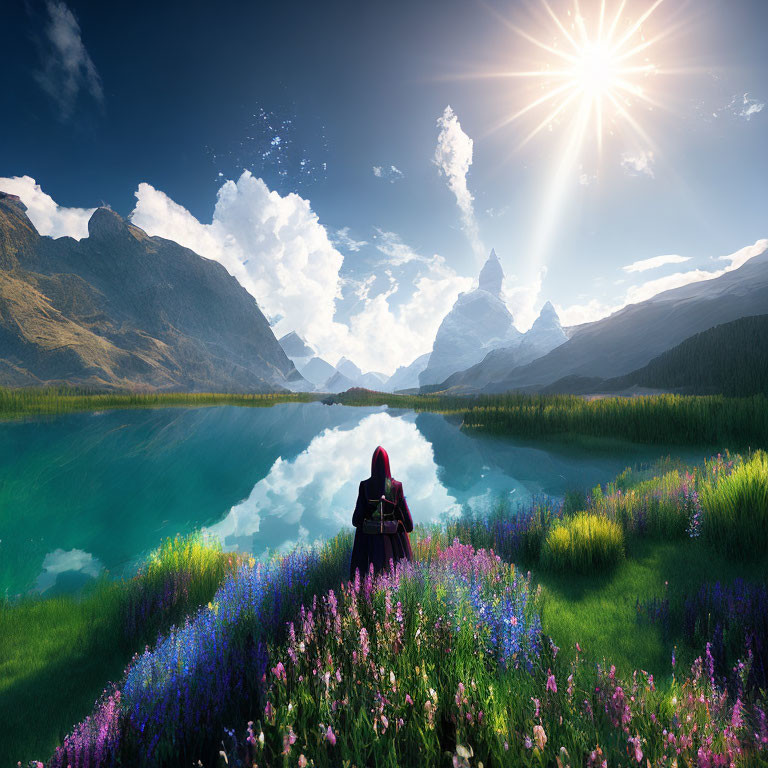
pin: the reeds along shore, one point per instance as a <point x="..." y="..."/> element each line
<point x="19" y="402"/>
<point x="671" y="419"/>
<point x="447" y="660"/>
<point x="662" y="419"/>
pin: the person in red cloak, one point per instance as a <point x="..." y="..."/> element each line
<point x="381" y="518"/>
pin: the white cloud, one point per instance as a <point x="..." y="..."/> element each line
<point x="275" y="246"/>
<point x="63" y="561"/>
<point x="48" y="217"/>
<point x="343" y="239"/>
<point x="391" y="173"/>
<point x="638" y="162"/>
<point x="453" y="156"/>
<point x="522" y="298"/>
<point x="576" y="314"/>
<point x="655" y="262"/>
<point x="278" y="250"/>
<point x="397" y="252"/>
<point x="67" y="67"/>
<point x="310" y="489"/>
<point x="743" y="255"/>
<point x="750" y="107"/>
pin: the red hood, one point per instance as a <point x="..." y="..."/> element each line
<point x="380" y="466"/>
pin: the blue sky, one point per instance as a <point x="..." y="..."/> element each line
<point x="103" y="100"/>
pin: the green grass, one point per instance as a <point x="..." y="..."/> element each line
<point x="57" y="654"/>
<point x="736" y="519"/>
<point x="20" y="402"/>
<point x="661" y="419"/>
<point x="599" y="610"/>
<point x="583" y="543"/>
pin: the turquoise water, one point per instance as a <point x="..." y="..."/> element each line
<point x="92" y="491"/>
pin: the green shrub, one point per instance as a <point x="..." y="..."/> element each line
<point x="583" y="543"/>
<point x="735" y="508"/>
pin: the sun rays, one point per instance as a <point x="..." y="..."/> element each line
<point x="600" y="67"/>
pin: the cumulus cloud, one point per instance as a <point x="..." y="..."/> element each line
<point x="278" y="250"/>
<point x="640" y="162"/>
<point x="390" y="173"/>
<point x="453" y="156"/>
<point x="274" y="245"/>
<point x="655" y="262"/>
<point x="48" y="217"/>
<point x="310" y="492"/>
<point x="65" y="561"/>
<point x="67" y="68"/>
<point x="344" y="240"/>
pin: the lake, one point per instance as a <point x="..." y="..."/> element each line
<point x="86" y="492"/>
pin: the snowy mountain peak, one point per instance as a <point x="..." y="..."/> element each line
<point x="491" y="275"/>
<point x="548" y="317"/>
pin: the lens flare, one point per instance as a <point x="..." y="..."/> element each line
<point x="599" y="70"/>
<point x="594" y="68"/>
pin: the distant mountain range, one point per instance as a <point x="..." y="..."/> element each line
<point x="729" y="359"/>
<point x="628" y="339"/>
<point x="120" y="309"/>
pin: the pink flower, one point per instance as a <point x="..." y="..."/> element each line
<point x="551" y="684"/>
<point x="303" y="760"/>
<point x="408" y="699"/>
<point x="330" y="736"/>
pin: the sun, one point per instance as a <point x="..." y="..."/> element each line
<point x="595" y="70"/>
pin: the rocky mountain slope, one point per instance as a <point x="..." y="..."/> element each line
<point x="729" y="359"/>
<point x="120" y="309"/>
<point x="630" y="338"/>
<point x="407" y="376"/>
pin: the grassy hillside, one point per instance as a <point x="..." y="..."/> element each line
<point x="729" y="359"/>
<point x="457" y="658"/>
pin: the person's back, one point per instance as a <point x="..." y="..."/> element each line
<point x="381" y="518"/>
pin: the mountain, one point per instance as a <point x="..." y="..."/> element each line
<point x="120" y="309"/>
<point x="373" y="380"/>
<point x="337" y="383"/>
<point x="478" y="322"/>
<point x="295" y="347"/>
<point x="630" y="338"/>
<point x="349" y="369"/>
<point x="729" y="359"/>
<point x="543" y="336"/>
<point x="317" y="371"/>
<point x="407" y="376"/>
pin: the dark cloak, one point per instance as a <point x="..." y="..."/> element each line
<point x="380" y="548"/>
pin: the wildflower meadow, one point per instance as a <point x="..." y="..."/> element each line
<point x="495" y="646"/>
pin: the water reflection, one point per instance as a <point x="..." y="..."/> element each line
<point x="99" y="490"/>
<point x="313" y="495"/>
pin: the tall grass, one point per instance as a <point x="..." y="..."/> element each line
<point x="670" y="419"/>
<point x="735" y="508"/>
<point x="582" y="544"/>
<point x="20" y="402"/>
